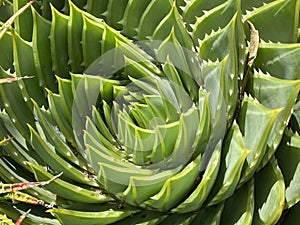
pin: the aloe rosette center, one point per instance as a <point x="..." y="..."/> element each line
<point x="149" y="126"/>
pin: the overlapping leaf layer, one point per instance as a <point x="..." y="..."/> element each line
<point x="152" y="113"/>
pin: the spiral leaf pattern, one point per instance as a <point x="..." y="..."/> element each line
<point x="152" y="112"/>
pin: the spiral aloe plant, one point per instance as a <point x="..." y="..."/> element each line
<point x="155" y="111"/>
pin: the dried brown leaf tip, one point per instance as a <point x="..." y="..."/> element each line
<point x="254" y="42"/>
<point x="22" y="217"/>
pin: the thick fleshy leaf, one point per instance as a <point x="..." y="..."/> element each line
<point x="145" y="112"/>
<point x="68" y="190"/>
<point x="6" y="60"/>
<point x="178" y="219"/>
<point x="92" y="218"/>
<point x="205" y="123"/>
<point x="269" y="194"/>
<point x="233" y="156"/>
<point x="94" y="138"/>
<point x="115" y="179"/>
<point x="115" y="12"/>
<point x="214" y="19"/>
<point x="16" y="146"/>
<point x="174" y="22"/>
<point x="23" y="20"/>
<point x="280" y="60"/>
<point x="217" y="45"/>
<point x="283" y="25"/>
<point x="288" y="156"/>
<point x="151" y="17"/>
<point x="170" y="195"/>
<point x="57" y="139"/>
<point x="130" y="23"/>
<point x="141" y="188"/>
<point x="12" y="99"/>
<point x="42" y="51"/>
<point x="97" y="8"/>
<point x="75" y="23"/>
<point x="171" y="50"/>
<point x="59" y="43"/>
<point x="92" y="32"/>
<point x="60" y="115"/>
<point x="24" y="66"/>
<point x="13" y="173"/>
<point x="31" y="219"/>
<point x="197" y="8"/>
<point x="255" y="122"/>
<point x="248" y="6"/>
<point x="274" y="93"/>
<point x="47" y="151"/>
<point x="239" y="208"/>
<point x="198" y="196"/>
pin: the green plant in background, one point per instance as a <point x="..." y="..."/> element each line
<point x="156" y="112"/>
<point x="12" y="191"/>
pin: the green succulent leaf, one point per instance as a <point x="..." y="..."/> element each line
<point x="178" y="56"/>
<point x="15" y="213"/>
<point x="7" y="58"/>
<point x="97" y="8"/>
<point x="16" y="146"/>
<point x="269" y="195"/>
<point x="46" y="150"/>
<point x="92" y="32"/>
<point x="174" y="22"/>
<point x="115" y="12"/>
<point x="141" y="188"/>
<point x="68" y="190"/>
<point x="283" y="95"/>
<point x="78" y="217"/>
<point x="239" y="208"/>
<point x="19" y="8"/>
<point x="41" y="51"/>
<point x="170" y="195"/>
<point x="75" y="39"/>
<point x="12" y="99"/>
<point x="153" y="14"/>
<point x="255" y="137"/>
<point x="23" y="55"/>
<point x="155" y="111"/>
<point x="59" y="43"/>
<point x="199" y="195"/>
<point x="50" y="132"/>
<point x="287" y="155"/>
<point x="232" y="160"/>
<point x="284" y="14"/>
<point x="280" y="60"/>
<point x="210" y="21"/>
<point x="5" y="220"/>
<point x="143" y="217"/>
<point x="196" y="8"/>
<point x="131" y="23"/>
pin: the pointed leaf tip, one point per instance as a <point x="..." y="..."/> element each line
<point x="22" y="217"/>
